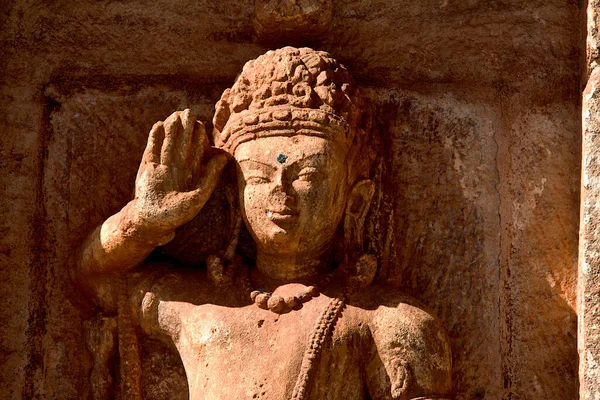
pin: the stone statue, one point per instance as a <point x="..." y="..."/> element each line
<point x="307" y="321"/>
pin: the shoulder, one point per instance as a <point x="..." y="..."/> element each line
<point x="389" y="306"/>
<point x="407" y="336"/>
<point x="161" y="292"/>
<point x="385" y="306"/>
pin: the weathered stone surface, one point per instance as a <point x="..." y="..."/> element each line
<point x="592" y="38"/>
<point x="164" y="376"/>
<point x="589" y="263"/>
<point x="292" y="21"/>
<point x="516" y="62"/>
<point x="541" y="258"/>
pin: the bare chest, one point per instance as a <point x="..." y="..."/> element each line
<point x="249" y="353"/>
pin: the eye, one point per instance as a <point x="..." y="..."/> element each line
<point x="310" y="174"/>
<point x="256" y="180"/>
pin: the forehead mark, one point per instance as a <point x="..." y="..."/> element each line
<point x="282" y="158"/>
<point x="305" y="161"/>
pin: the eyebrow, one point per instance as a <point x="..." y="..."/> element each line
<point x="310" y="158"/>
<point x="248" y="160"/>
<point x="300" y="161"/>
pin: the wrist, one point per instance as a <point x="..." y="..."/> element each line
<point x="132" y="224"/>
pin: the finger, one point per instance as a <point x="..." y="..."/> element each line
<point x="153" y="146"/>
<point x="184" y="140"/>
<point x="212" y="171"/>
<point x="171" y="126"/>
<point x="209" y="181"/>
<point x="200" y="142"/>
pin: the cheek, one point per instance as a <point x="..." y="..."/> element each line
<point x="254" y="200"/>
<point x="318" y="196"/>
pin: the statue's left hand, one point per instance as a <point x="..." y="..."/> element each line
<point x="178" y="173"/>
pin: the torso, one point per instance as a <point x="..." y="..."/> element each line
<point x="232" y="350"/>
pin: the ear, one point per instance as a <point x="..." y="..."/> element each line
<point x="357" y="207"/>
<point x="222" y="114"/>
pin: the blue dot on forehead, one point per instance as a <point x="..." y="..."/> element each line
<point x="281" y="158"/>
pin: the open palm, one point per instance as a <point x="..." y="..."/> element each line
<point x="178" y="173"/>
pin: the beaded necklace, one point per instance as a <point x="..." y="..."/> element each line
<point x="278" y="304"/>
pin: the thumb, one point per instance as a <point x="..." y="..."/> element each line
<point x="208" y="183"/>
<point x="214" y="167"/>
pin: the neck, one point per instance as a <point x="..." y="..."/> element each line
<point x="300" y="268"/>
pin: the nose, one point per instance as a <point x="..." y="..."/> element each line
<point x="282" y="196"/>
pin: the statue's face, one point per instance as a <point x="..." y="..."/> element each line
<point x="292" y="192"/>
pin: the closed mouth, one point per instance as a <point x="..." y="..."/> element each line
<point x="285" y="216"/>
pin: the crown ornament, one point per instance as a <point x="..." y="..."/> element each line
<point x="289" y="92"/>
<point x="282" y="121"/>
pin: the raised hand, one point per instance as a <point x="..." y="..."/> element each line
<point x="178" y="173"/>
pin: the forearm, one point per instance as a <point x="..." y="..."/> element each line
<point x="119" y="244"/>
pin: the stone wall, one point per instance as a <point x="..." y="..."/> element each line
<point x="588" y="293"/>
<point x="477" y="216"/>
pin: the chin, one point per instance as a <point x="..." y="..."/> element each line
<point x="276" y="240"/>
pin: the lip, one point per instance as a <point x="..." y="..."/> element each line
<point x="282" y="217"/>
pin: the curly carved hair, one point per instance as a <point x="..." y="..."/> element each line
<point x="293" y="91"/>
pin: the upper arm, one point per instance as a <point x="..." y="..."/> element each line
<point x="159" y="306"/>
<point x="411" y="355"/>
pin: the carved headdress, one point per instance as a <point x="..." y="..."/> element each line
<point x="289" y="92"/>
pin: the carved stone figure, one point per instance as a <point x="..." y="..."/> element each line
<point x="306" y="320"/>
